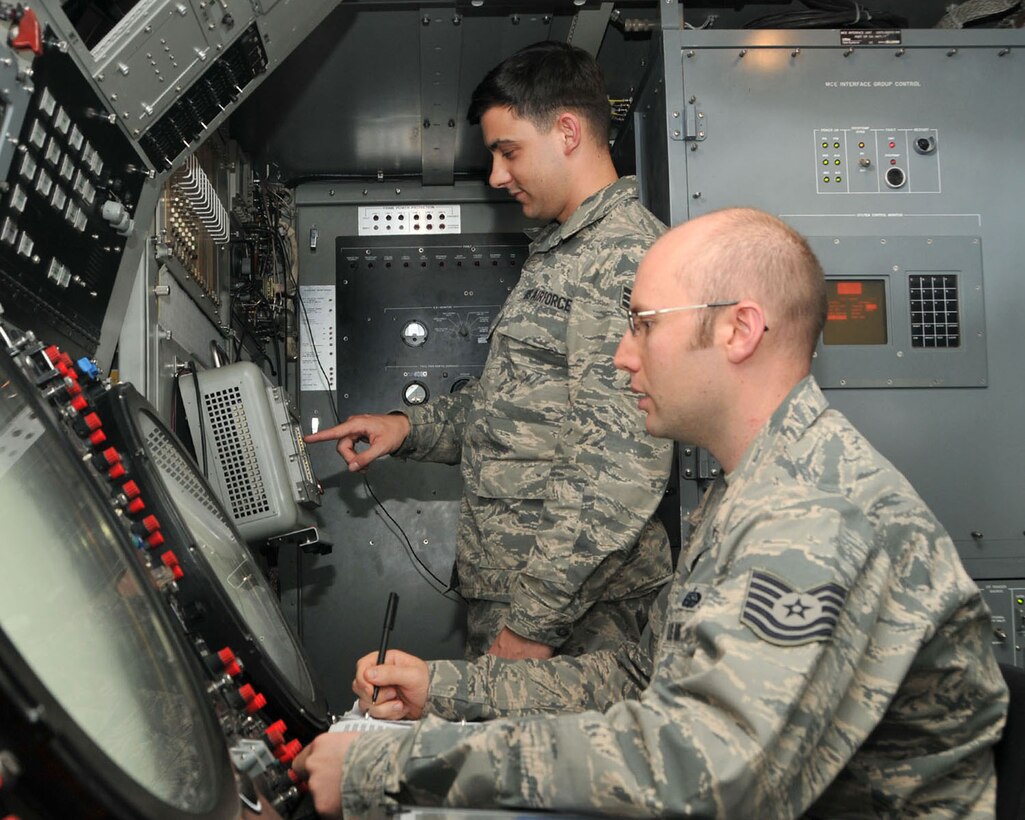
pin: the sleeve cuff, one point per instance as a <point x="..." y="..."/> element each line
<point x="371" y="776"/>
<point x="533" y="618"/>
<point x="457" y="690"/>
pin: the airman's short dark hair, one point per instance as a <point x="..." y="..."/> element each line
<point x="540" y="81"/>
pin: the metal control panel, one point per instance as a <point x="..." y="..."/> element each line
<point x="894" y="160"/>
<point x="874" y="160"/>
<point x="414" y="317"/>
<point x="172" y="70"/>
<point x="904" y="311"/>
<point x="1006" y="601"/>
<point x="69" y="206"/>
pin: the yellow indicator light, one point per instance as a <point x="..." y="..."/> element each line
<point x="861" y="145"/>
<point x="836" y="162"/>
<point x="836" y="145"/>
<point x="838" y="179"/>
<point x="825" y="145"/>
<point x="826" y="180"/>
<point x="825" y="162"/>
<point x="1021" y="601"/>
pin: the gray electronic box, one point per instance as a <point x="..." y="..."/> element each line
<point x="248" y="440"/>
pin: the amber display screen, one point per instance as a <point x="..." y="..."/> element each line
<point x="857" y="312"/>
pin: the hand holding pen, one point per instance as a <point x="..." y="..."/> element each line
<point x="389" y="624"/>
<point x="391" y="684"/>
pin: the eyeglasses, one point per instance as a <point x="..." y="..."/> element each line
<point x="634" y="315"/>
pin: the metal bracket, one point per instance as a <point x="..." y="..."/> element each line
<point x="697" y="464"/>
<point x="307" y="539"/>
<point x="440" y="45"/>
<point x="670" y="15"/>
<point x="588" y="28"/>
<point x="689" y="125"/>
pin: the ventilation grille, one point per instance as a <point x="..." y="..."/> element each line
<point x="219" y="87"/>
<point x="174" y="466"/>
<point x="236" y="452"/>
<point x="935" y="315"/>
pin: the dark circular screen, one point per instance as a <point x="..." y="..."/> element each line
<point x="71" y="604"/>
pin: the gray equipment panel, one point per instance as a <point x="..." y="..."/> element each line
<point x="337" y="601"/>
<point x="740" y="118"/>
<point x="173" y="70"/>
<point x="915" y="335"/>
<point x="1006" y="601"/>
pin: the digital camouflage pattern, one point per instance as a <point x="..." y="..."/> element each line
<point x="890" y="711"/>
<point x="607" y="624"/>
<point x="561" y="480"/>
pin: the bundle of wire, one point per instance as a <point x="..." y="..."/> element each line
<point x="829" y="14"/>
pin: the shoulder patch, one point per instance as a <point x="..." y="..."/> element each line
<point x="780" y="614"/>
<point x="624" y="297"/>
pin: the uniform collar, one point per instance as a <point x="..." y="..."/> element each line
<point x="591" y="210"/>
<point x="796" y="413"/>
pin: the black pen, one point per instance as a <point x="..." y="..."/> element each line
<point x="389" y="624"/>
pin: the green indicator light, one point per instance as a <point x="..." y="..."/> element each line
<point x="825" y="162"/>
<point x="836" y="162"/>
<point x="825" y="180"/>
<point x="836" y="145"/>
<point x="1021" y="601"/>
<point x="838" y="179"/>
<point x="825" y="145"/>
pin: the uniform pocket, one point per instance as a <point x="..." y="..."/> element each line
<point x="534" y="338"/>
<point x="513" y="479"/>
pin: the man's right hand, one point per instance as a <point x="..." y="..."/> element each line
<point x="385" y="433"/>
<point x="402" y="680"/>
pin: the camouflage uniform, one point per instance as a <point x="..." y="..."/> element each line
<point x="560" y="478"/>
<point x="820" y="653"/>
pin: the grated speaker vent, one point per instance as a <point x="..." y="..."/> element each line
<point x="236" y="452"/>
<point x="173" y="465"/>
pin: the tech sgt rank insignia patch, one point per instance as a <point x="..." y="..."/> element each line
<point x="779" y="614"/>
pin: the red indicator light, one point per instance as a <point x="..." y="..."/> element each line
<point x="848" y="288"/>
<point x="870" y="306"/>
<point x="837" y="317"/>
<point x="893" y="144"/>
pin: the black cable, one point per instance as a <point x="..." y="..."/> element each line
<point x="446" y="588"/>
<point x="418" y="564"/>
<point x="829" y="14"/>
<point x="199" y="415"/>
<point x="280" y="375"/>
